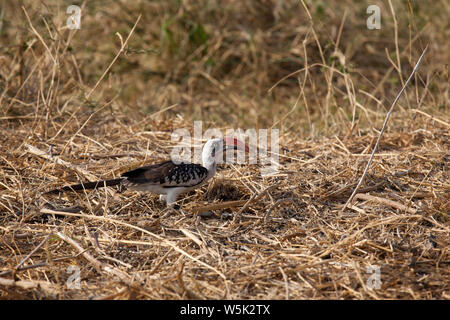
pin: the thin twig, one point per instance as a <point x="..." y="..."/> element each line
<point x="286" y="282"/>
<point x="388" y="202"/>
<point x="28" y="284"/>
<point x="39" y="36"/>
<point x="100" y="266"/>
<point x="220" y="205"/>
<point x="431" y="117"/>
<point x="266" y="217"/>
<point x="384" y="221"/>
<point x="382" y="130"/>
<point x="122" y="48"/>
<point x="60" y="161"/>
<point x="169" y="243"/>
<point x="254" y="197"/>
<point x="36" y="265"/>
<point x="33" y="251"/>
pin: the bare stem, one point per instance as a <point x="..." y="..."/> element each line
<point x="383" y="128"/>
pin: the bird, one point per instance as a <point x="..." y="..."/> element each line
<point x="169" y="179"/>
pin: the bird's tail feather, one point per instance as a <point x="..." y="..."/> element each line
<point x="89" y="185"/>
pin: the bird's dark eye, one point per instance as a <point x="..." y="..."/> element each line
<point x="213" y="153"/>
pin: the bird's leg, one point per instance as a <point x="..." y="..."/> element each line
<point x="172" y="196"/>
<point x="171" y="199"/>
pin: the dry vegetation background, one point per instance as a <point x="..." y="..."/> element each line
<point x="311" y="69"/>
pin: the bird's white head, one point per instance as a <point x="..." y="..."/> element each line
<point x="214" y="149"/>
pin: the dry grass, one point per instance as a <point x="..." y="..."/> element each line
<point x="65" y="117"/>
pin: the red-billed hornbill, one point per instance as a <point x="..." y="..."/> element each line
<point x="169" y="179"/>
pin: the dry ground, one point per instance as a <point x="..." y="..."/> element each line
<point x="70" y="111"/>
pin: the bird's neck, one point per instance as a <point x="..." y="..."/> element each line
<point x="210" y="165"/>
<point x="209" y="162"/>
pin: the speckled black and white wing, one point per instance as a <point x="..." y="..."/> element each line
<point x="166" y="175"/>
